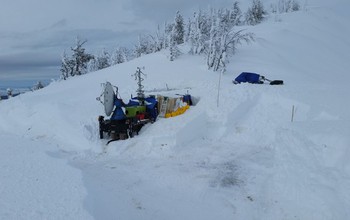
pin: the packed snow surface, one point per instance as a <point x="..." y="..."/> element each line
<point x="237" y="154"/>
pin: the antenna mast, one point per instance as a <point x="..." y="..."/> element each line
<point x="140" y="92"/>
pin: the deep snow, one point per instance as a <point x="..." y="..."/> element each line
<point x="243" y="159"/>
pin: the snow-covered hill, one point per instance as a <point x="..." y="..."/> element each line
<point x="235" y="155"/>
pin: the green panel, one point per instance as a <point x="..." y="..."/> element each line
<point x="132" y="111"/>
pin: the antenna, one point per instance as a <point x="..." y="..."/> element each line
<point x="139" y="78"/>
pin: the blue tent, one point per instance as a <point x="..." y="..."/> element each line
<point x="248" y="77"/>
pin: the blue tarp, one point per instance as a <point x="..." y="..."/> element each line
<point x="118" y="113"/>
<point x="248" y="77"/>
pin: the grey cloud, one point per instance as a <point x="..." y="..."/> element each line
<point x="26" y="60"/>
<point x="165" y="10"/>
<point x="32" y="47"/>
<point x="37" y="55"/>
<point x="28" y="67"/>
<point x="59" y="24"/>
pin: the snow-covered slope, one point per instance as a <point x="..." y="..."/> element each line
<point x="235" y="155"/>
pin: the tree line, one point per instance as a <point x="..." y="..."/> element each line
<point x="213" y="33"/>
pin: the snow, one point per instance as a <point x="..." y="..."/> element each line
<point x="237" y="157"/>
<point x="36" y="184"/>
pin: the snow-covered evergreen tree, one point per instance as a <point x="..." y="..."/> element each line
<point x="235" y="15"/>
<point x="80" y="57"/>
<point x="284" y="6"/>
<point x="199" y="32"/>
<point x="173" y="48"/>
<point x="168" y="30"/>
<point x="223" y="40"/>
<point x="158" y="40"/>
<point x="213" y="44"/>
<point x="255" y="13"/>
<point x="103" y="60"/>
<point x="144" y="46"/>
<point x="67" y="66"/>
<point x="38" y="86"/>
<point x="76" y="64"/>
<point x="193" y="34"/>
<point x="9" y="92"/>
<point x="120" y="55"/>
<point x="178" y="32"/>
<point x="188" y="30"/>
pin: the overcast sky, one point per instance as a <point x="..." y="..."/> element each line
<point x="34" y="33"/>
